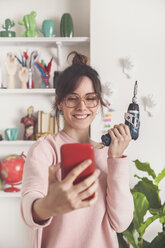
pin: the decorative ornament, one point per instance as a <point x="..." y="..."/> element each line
<point x="149" y="103"/>
<point x="108" y="91"/>
<point x="7" y="27"/>
<point x="107" y="119"/>
<point x="29" y="21"/>
<point x="66" y="25"/>
<point x="11" y="171"/>
<point x="48" y="28"/>
<point x="126" y="65"/>
<point x="29" y="122"/>
<point x="11" y="68"/>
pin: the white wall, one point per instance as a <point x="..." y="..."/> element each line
<point x="133" y="29"/>
<point x="13" y="232"/>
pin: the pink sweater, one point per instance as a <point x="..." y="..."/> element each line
<point x="92" y="227"/>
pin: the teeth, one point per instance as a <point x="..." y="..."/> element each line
<point x="80" y="116"/>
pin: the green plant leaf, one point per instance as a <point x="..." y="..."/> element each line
<point x="150" y="190"/>
<point x="145" y="167"/>
<point x="160" y="176"/>
<point x="149" y="220"/>
<point x="146" y="244"/>
<point x="121" y="241"/>
<point x="137" y="176"/>
<point x="162" y="219"/>
<point x="164" y="207"/>
<point x="158" y="241"/>
<point x="141" y="205"/>
<point x="129" y="235"/>
<point x="156" y="211"/>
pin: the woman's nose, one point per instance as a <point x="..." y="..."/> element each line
<point x="81" y="104"/>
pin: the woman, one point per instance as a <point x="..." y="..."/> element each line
<point x="53" y="208"/>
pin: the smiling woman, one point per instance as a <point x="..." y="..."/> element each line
<point x="81" y="104"/>
<point x="70" y="79"/>
<point x="48" y="201"/>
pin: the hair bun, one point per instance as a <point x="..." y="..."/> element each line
<point x="78" y="58"/>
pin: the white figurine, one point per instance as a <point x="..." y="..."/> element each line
<point x="23" y="76"/>
<point x="11" y="67"/>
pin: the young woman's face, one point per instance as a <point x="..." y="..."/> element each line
<point x="76" y="107"/>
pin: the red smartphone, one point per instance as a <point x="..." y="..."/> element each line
<point x="72" y="155"/>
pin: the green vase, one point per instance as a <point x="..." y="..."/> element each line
<point x="66" y="26"/>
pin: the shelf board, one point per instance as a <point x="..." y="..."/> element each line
<point x="28" y="91"/>
<point x="9" y="194"/>
<point x="16" y="142"/>
<point x="43" y="41"/>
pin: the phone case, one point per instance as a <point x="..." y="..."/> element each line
<point x="72" y="155"/>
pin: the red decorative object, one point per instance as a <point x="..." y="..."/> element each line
<point x="11" y="170"/>
<point x="29" y="122"/>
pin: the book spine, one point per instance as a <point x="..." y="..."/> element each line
<point x="51" y="126"/>
<point x="45" y="122"/>
<point x="39" y="125"/>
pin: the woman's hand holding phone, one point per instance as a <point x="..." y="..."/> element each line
<point x="63" y="196"/>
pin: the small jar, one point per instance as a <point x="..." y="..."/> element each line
<point x="45" y="81"/>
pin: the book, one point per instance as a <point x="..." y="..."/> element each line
<point x="45" y="117"/>
<point x="56" y="129"/>
<point x="51" y="124"/>
<point x="39" y="124"/>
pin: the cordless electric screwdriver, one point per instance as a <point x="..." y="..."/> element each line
<point x="132" y="119"/>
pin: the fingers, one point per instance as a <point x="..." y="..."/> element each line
<point x="119" y="131"/>
<point x="86" y="183"/>
<point x="52" y="173"/>
<point x="89" y="191"/>
<point x="77" y="171"/>
<point x="88" y="203"/>
<point x="120" y="138"/>
<point x="123" y="129"/>
<point x="127" y="130"/>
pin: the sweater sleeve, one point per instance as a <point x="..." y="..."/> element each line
<point x="35" y="179"/>
<point x="120" y="204"/>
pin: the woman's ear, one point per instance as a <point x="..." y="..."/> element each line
<point x="60" y="106"/>
<point x="56" y="97"/>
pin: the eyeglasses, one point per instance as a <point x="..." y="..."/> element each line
<point x="91" y="100"/>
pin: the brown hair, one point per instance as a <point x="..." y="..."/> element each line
<point x="67" y="81"/>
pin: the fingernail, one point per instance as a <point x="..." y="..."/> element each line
<point x="89" y="161"/>
<point x="98" y="172"/>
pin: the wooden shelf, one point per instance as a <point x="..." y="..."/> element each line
<point x="28" y="91"/>
<point x="43" y="41"/>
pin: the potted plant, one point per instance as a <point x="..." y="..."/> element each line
<point x="146" y="201"/>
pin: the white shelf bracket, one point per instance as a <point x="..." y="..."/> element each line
<point x="59" y="44"/>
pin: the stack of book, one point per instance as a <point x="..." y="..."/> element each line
<point x="47" y="124"/>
